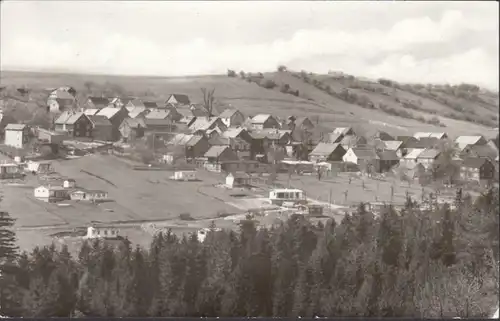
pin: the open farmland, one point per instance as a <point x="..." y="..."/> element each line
<point x="147" y="195"/>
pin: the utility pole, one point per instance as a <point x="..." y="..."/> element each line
<point x="330" y="201"/>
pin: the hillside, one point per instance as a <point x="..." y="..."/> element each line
<point x="397" y="109"/>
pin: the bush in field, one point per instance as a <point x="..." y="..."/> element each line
<point x="282" y="68"/>
<point x="267" y="83"/>
<point x="285" y="88"/>
<point x="231" y="73"/>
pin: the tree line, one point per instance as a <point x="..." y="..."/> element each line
<point x="404" y="263"/>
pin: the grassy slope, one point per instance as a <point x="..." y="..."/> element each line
<point x="252" y="99"/>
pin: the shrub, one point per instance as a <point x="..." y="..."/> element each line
<point x="231" y="73"/>
<point x="282" y="68"/>
<point x="267" y="83"/>
<point x="185" y="217"/>
<point x="285" y="88"/>
<point x="242" y="74"/>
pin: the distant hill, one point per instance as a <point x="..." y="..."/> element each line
<point x="332" y="100"/>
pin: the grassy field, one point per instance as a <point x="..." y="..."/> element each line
<point x="252" y="99"/>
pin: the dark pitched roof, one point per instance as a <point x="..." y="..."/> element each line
<point x="150" y="104"/>
<point x="324" y="149"/>
<point x="99" y="120"/>
<point x="388" y="155"/>
<point x="181" y="98"/>
<point x="158" y="122"/>
<point x="228" y="113"/>
<point x="365" y="153"/>
<point x="474" y="162"/>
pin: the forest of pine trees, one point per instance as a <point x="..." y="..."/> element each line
<point x="435" y="263"/>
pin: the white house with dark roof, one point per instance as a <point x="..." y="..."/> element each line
<point x="232" y="117"/>
<point x="178" y="99"/>
<point x="327" y="152"/>
<point x="428" y="157"/>
<point x="264" y="121"/>
<point x="464" y="141"/>
<point x="76" y="124"/>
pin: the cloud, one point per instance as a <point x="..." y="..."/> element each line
<point x="413" y="49"/>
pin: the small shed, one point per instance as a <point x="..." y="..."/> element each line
<point x="237" y="179"/>
<point x="184" y="175"/>
<point x="39" y="167"/>
<point x="279" y="196"/>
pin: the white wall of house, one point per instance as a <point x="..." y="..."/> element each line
<point x="41" y="192"/>
<point x="350" y="157"/>
<point x="14" y="138"/>
<point x="97" y="232"/>
<point x="69" y="184"/>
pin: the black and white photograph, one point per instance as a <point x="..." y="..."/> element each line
<point x="217" y="159"/>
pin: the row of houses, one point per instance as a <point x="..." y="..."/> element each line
<point x="68" y="190"/>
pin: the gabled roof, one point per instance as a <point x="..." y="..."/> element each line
<point x="108" y="112"/>
<point x="157" y="122"/>
<point x="181" y="98"/>
<point x="260" y="118"/>
<point x="437" y="135"/>
<point x="429" y="154"/>
<point x="413" y="153"/>
<point x="185" y="113"/>
<point x="65" y="102"/>
<point x="200" y="112"/>
<point x="341" y="130"/>
<point x="91" y="111"/>
<point x="99" y="101"/>
<point x="135" y="122"/>
<point x="195" y="139"/>
<point x="336" y="137"/>
<point x="463" y="141"/>
<point x="180" y="139"/>
<point x="150" y="104"/>
<point x="393" y="144"/>
<point x="233" y="132"/>
<point x="136" y="103"/>
<point x="99" y="120"/>
<point x="158" y="114"/>
<point x="203" y="123"/>
<point x="62" y="93"/>
<point x="15" y="127"/>
<point x="474" y="162"/>
<point x="215" y="151"/>
<point x="134" y="112"/>
<point x="218" y="140"/>
<point x="324" y="149"/>
<point x="228" y="113"/>
<point x="364" y="153"/>
<point x="388" y="155"/>
<point x="69" y="118"/>
<point x="383" y="135"/>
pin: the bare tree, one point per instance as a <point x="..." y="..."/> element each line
<point x="208" y="100"/>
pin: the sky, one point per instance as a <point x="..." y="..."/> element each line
<point x="421" y="41"/>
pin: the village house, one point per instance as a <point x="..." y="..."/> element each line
<point x="413" y="171"/>
<point x="344" y="131"/>
<point x="178" y="99"/>
<point x="394" y="145"/>
<point x="39" y="167"/>
<point x="187" y="116"/>
<point x="334" y="138"/>
<point x="137" y="112"/>
<point x="91" y="111"/>
<point x="303" y="123"/>
<point x="50" y="137"/>
<point x="119" y="102"/>
<point x="237" y="144"/>
<point x="82" y="194"/>
<point x="134" y="103"/>
<point x="243" y="165"/>
<point x="131" y="129"/>
<point x="96" y="103"/>
<point x="326" y="152"/>
<point x="217" y="154"/>
<point x="264" y="121"/>
<point x="58" y="105"/>
<point x="411" y="156"/>
<point x="238" y="179"/>
<point x="428" y="157"/>
<point x="5" y="119"/>
<point x="10" y="171"/>
<point x="69" y="183"/>
<point x="274" y="137"/>
<point x="102" y="232"/>
<point x="387" y="159"/>
<point x="76" y="124"/>
<point x="203" y="124"/>
<point x="479" y="151"/>
<point x="352" y="141"/>
<point x="16" y="135"/>
<point x="184" y="174"/>
<point x="463" y="141"/>
<point x="102" y="129"/>
<point x="159" y="125"/>
<point x="232" y="118"/>
<point x="438" y="135"/>
<point x="196" y="146"/>
<point x="165" y="114"/>
<point x="480" y="170"/>
<point x="61" y="99"/>
<point x="115" y="117"/>
<point x="51" y="194"/>
<point x="381" y="135"/>
<point x="363" y="157"/>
